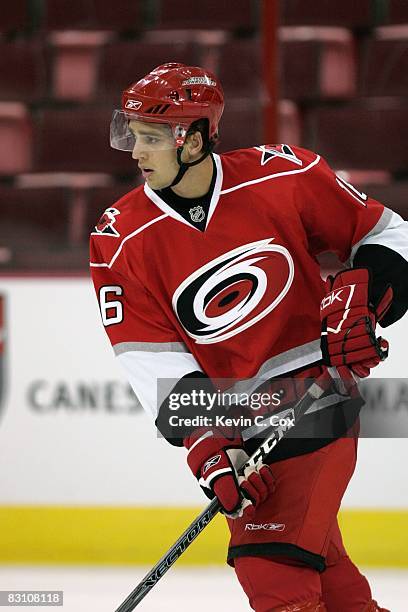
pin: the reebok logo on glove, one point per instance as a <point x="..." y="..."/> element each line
<point x="349" y="320"/>
<point x="211" y="462"/>
<point x="333" y="296"/>
<point x="219" y="475"/>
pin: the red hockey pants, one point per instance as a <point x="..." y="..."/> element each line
<point x="292" y="550"/>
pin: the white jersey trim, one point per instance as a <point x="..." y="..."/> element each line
<point x="217" y="188"/>
<point x="142" y="368"/>
<point x="271" y="176"/>
<point x="157" y="200"/>
<point x="128" y="237"/>
<point x="170" y="212"/>
<point x="391" y="231"/>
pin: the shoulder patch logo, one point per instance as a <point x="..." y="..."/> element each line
<point x="106" y="223"/>
<point x="273" y="151"/>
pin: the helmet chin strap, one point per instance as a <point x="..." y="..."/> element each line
<point x="184" y="166"/>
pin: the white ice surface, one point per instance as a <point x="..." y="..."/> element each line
<point x="102" y="589"/>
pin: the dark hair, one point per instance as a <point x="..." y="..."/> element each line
<point x="202" y="126"/>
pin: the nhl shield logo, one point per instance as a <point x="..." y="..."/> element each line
<point x="197" y="214"/>
<point x="106" y="223"/>
<point x="2" y="352"/>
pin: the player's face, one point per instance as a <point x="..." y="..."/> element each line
<point x="155" y="152"/>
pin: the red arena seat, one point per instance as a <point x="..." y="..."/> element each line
<point x="35" y="232"/>
<point x="289" y="123"/>
<point x="22" y="70"/>
<point x="394" y="195"/>
<point x="398" y="11"/>
<point x="208" y="14"/>
<point x="14" y="16"/>
<point x="77" y="140"/>
<point x="348" y="13"/>
<point x="368" y="134"/>
<point x="123" y="63"/>
<point x="241" y="125"/>
<point x="384" y="63"/>
<point x="79" y="185"/>
<point x="317" y="63"/>
<point x="75" y="62"/>
<point x="366" y="177"/>
<point x="40" y="212"/>
<point x="240" y="78"/>
<point x="15" y="138"/>
<point x="119" y="15"/>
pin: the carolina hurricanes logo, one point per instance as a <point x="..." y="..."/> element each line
<point x="234" y="291"/>
<point x="106" y="223"/>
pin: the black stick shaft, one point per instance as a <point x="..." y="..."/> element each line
<point x="314" y="392"/>
<point x="170" y="557"/>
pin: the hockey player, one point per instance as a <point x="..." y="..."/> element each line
<point x="208" y="271"/>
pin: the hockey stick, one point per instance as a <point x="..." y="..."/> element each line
<point x="314" y="392"/>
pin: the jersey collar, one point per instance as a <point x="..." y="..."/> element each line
<point x="157" y="200"/>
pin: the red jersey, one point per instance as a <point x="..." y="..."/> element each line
<point x="240" y="299"/>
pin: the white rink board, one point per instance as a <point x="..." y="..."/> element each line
<point x="57" y="447"/>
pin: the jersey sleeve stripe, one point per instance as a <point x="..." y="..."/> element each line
<point x="152" y="347"/>
<point x="271" y="176"/>
<point x="281" y="365"/>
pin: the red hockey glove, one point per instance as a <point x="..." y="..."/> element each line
<point x="349" y="320"/>
<point x="214" y="460"/>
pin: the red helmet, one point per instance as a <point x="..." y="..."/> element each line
<point x="172" y="93"/>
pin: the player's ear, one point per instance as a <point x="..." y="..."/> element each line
<point x="194" y="144"/>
